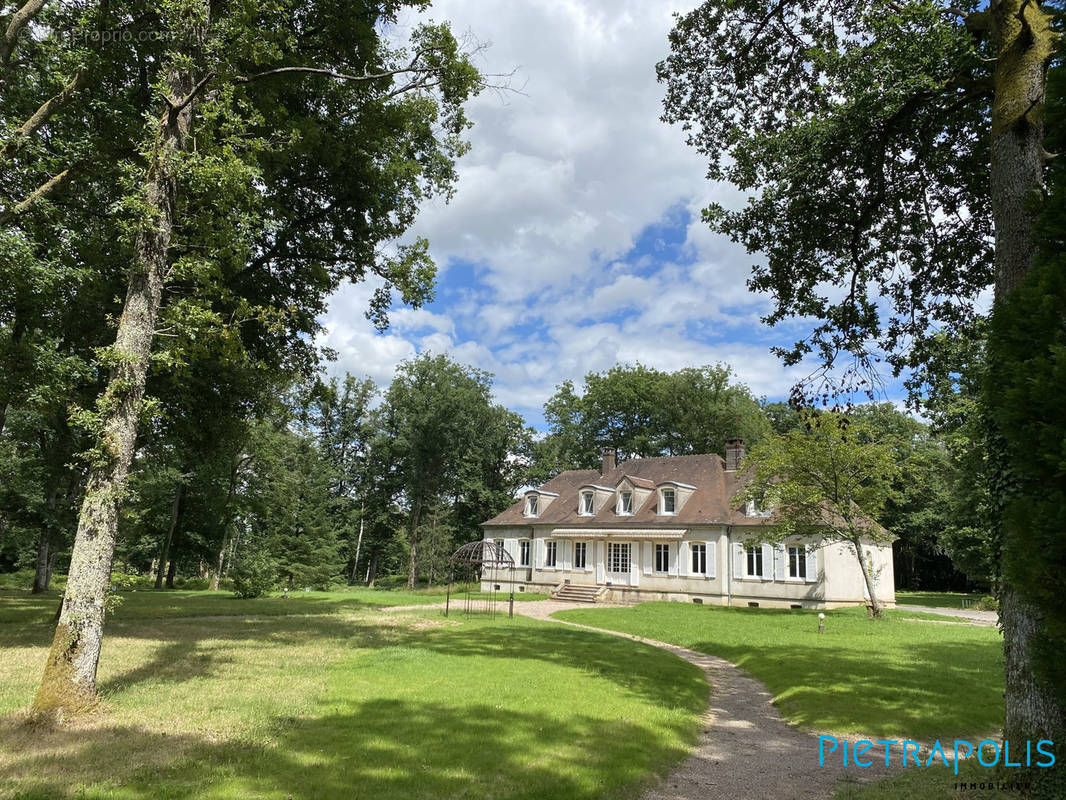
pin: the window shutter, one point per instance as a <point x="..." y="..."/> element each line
<point x="812" y="565"/>
<point x="767" y="562"/>
<point x="538" y="553"/>
<point x="564" y="553"/>
<point x="780" y="563"/>
<point x="646" y="557"/>
<point x="684" y="556"/>
<point x="738" y="560"/>
<point x="712" y="559"/>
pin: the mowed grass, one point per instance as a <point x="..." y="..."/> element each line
<point x="897" y="677"/>
<point x="22" y="607"/>
<point x="937" y="599"/>
<point x="353" y="703"/>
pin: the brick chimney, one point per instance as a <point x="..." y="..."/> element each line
<point x="734" y="454"/>
<point x="608" y="463"/>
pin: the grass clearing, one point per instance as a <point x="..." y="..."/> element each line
<point x="893" y="677"/>
<point x="939" y="599"/>
<point x="325" y="699"/>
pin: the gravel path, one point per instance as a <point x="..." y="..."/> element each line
<point x="972" y="614"/>
<point x="746" y="750"/>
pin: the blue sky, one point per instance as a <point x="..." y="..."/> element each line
<point x="573" y="242"/>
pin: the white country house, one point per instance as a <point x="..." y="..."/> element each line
<point x="671" y="528"/>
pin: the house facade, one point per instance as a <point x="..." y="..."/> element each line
<point x="670" y="529"/>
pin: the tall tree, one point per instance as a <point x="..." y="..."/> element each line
<point x="828" y="482"/>
<point x="441" y="436"/>
<point x="262" y="90"/>
<point x="891" y="150"/>
<point x="644" y="412"/>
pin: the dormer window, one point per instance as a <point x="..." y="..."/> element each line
<point x="757" y="508"/>
<point x="669" y="501"/>
<point x="625" y="502"/>
<point x="531" y="506"/>
<point x="588" y="500"/>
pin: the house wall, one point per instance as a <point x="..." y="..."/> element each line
<point x="833" y="579"/>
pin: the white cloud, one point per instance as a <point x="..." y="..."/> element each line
<point x="560" y="182"/>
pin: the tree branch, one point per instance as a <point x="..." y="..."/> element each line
<point x="19" y="20"/>
<point x="41" y="116"/>
<point x="42" y="191"/>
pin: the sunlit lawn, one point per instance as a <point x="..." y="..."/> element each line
<point x="330" y="698"/>
<point x="892" y="677"/>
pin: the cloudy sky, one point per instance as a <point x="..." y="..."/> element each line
<point x="573" y="242"/>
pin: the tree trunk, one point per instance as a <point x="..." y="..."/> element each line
<point x="372" y="569"/>
<point x="172" y="568"/>
<point x="1024" y="46"/>
<point x="69" y="680"/>
<point x="221" y="560"/>
<point x="874" y="602"/>
<point x="358" y="544"/>
<point x="412" y="570"/>
<point x="40" y="575"/>
<point x="175" y="520"/>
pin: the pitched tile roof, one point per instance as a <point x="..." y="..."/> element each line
<point x="712" y="502"/>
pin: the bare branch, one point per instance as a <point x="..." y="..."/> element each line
<point x="343" y="76"/>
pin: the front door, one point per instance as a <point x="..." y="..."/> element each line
<point x="619" y="561"/>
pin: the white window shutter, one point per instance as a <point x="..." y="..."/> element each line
<point x="646" y="557"/>
<point x="768" y="562"/>
<point x="538" y="553"/>
<point x="712" y="559"/>
<point x="812" y="564"/>
<point x="780" y="563"/>
<point x="566" y="547"/>
<point x="738" y="560"/>
<point x="684" y="558"/>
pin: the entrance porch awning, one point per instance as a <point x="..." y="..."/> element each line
<point x="619" y="533"/>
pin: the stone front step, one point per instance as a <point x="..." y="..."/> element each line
<point x="578" y="594"/>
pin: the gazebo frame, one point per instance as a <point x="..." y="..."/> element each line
<point x="476" y="556"/>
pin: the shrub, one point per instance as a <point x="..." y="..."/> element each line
<point x="254" y="575"/>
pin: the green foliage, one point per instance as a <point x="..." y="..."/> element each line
<point x="643" y="412"/>
<point x="443" y="439"/>
<point x="829" y="480"/>
<point x="859" y="133"/>
<point x="254" y="575"/>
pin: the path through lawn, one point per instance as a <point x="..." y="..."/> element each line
<point x="895" y="677"/>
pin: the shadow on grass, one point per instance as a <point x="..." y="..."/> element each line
<point x="944" y="689"/>
<point x="377" y="749"/>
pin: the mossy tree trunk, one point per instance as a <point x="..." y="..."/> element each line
<point x="69" y="680"/>
<point x="1024" y="47"/>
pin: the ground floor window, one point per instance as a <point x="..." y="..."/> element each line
<point x="662" y="558"/>
<point x="797" y="561"/>
<point x="580" y="553"/>
<point x="551" y="553"/>
<point x="618" y="557"/>
<point x="699" y="558"/>
<point x="755" y="561"/>
<point x="523" y="552"/>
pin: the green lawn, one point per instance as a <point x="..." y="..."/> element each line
<point x="21" y="607"/>
<point x="326" y="697"/>
<point x="938" y="599"/>
<point x="892" y="677"/>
